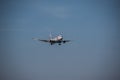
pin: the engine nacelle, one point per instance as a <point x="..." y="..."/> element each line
<point x="64" y="41"/>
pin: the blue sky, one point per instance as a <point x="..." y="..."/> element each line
<point x="91" y="25"/>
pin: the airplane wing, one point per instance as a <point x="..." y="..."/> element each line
<point x="44" y="40"/>
<point x="40" y="40"/>
<point x="66" y="41"/>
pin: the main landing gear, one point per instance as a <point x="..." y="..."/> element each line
<point x="59" y="44"/>
<point x="51" y="43"/>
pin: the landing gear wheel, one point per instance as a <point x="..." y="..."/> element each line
<point x="59" y="44"/>
<point x="51" y="43"/>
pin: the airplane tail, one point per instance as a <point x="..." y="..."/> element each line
<point x="61" y="35"/>
<point x="50" y="36"/>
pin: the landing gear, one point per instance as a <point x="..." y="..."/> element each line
<point x="59" y="44"/>
<point x="51" y="43"/>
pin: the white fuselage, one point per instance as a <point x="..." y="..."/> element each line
<point x="58" y="38"/>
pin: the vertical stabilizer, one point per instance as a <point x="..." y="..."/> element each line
<point x="50" y="36"/>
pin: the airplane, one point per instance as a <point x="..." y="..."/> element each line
<point x="58" y="39"/>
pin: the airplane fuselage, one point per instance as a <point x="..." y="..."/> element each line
<point x="57" y="39"/>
